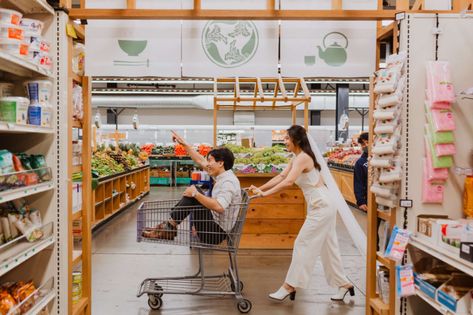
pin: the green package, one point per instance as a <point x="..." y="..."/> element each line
<point x="441" y="137"/>
<point x="437" y="162"/>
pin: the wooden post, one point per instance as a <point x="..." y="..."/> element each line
<point x="306" y="116"/>
<point x="87" y="206"/>
<point x="418" y="5"/>
<point x="70" y="240"/>
<point x="402" y="5"/>
<point x="337" y="4"/>
<point x="131" y="4"/>
<point x="67" y="4"/>
<point x="294" y="114"/>
<point x="215" y="122"/>
<point x="271" y="5"/>
<point x="197" y="5"/>
<point x="460" y="5"/>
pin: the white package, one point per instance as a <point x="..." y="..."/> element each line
<point x="387" y="126"/>
<point x="392" y="174"/>
<point x="382" y="161"/>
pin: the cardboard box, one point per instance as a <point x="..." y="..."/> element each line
<point x="425" y="223"/>
<point x="461" y="283"/>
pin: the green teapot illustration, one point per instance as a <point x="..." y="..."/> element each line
<point x="334" y="55"/>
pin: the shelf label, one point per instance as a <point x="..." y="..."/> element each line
<point x="406" y="203"/>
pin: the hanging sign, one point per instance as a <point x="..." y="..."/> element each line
<point x="133" y="48"/>
<point x="328" y="48"/>
<point x="230" y="48"/>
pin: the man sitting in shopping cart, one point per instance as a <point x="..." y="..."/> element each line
<point x="213" y="217"/>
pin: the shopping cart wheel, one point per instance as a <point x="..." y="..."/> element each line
<point x="233" y="286"/>
<point x="158" y="288"/>
<point x="154" y="302"/>
<point x="244" y="306"/>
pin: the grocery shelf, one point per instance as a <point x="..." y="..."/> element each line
<point x="20" y="67"/>
<point x="388" y="263"/>
<point x="17" y="193"/>
<point x="76" y="215"/>
<point x="14" y="253"/>
<point x="76" y="257"/>
<point x="442" y="254"/>
<point x="16" y="128"/>
<point x="379" y="306"/>
<point x="41" y="297"/>
<point x="442" y="310"/>
<point x="79" y="307"/>
<point x="32" y="6"/>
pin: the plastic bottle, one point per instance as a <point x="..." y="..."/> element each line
<point x="34" y="113"/>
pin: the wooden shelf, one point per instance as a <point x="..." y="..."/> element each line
<point x="379" y="306"/>
<point x="16" y="128"/>
<point x="388" y="263"/>
<point x="32" y="6"/>
<point x="80" y="306"/>
<point x="76" y="169"/>
<point x="76" y="257"/>
<point x="383" y="215"/>
<point x="443" y="255"/>
<point x="20" y="67"/>
<point x="77" y="215"/>
<point x="76" y="123"/>
<point x="76" y="78"/>
<point x="80" y="31"/>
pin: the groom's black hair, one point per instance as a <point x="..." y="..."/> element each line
<point x="225" y="155"/>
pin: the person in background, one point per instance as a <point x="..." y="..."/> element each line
<point x="360" y="178"/>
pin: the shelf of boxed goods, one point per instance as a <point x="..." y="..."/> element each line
<point x="442" y="310"/>
<point x="19" y="250"/>
<point x="22" y="192"/>
<point x="453" y="259"/>
<point x="20" y="67"/>
<point x="18" y="128"/>
<point x="31" y="6"/>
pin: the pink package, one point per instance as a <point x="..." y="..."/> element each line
<point x="443" y="120"/>
<point x="445" y="149"/>
<point x="438" y="105"/>
<point x="431" y="193"/>
<point x="434" y="174"/>
<point x="439" y="82"/>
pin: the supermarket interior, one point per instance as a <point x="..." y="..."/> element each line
<point x="218" y="157"/>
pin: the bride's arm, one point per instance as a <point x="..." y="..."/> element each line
<point x="297" y="167"/>
<point x="277" y="179"/>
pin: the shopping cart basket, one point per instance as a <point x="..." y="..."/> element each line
<point x="200" y="232"/>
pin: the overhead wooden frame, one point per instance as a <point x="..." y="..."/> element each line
<point x="279" y="96"/>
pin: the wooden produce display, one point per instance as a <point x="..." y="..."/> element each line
<point x="110" y="196"/>
<point x="272" y="222"/>
<point x="344" y="180"/>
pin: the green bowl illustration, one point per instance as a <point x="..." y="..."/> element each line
<point x="132" y="47"/>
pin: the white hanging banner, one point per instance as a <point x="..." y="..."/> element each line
<point x="230" y="48"/>
<point x="133" y="48"/>
<point x="328" y="48"/>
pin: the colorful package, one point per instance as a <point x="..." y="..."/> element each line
<point x="438" y="175"/>
<point x="431" y="192"/>
<point x="397" y="244"/>
<point x="405" y="281"/>
<point x="386" y="81"/>
<point x="440" y="137"/>
<point x="443" y="120"/>
<point x="386" y="143"/>
<point x="439" y="82"/>
<point x="437" y="161"/>
<point x="387" y="126"/>
<point x="393" y="173"/>
<point x="445" y="149"/>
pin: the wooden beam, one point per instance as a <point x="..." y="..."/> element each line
<point x="306" y="116"/>
<point x="418" y="5"/>
<point x="67" y="4"/>
<point x="395" y="37"/>
<point x="297" y="88"/>
<point x="267" y="99"/>
<point x="215" y="122"/>
<point x="402" y="5"/>
<point x="460" y="5"/>
<point x="197" y="5"/>
<point x="337" y="4"/>
<point x="276" y="92"/>
<point x="294" y="115"/>
<point x="271" y="5"/>
<point x="237" y="92"/>
<point x="131" y="4"/>
<point x="82" y="4"/>
<point x="282" y="88"/>
<point x="80" y="30"/>
<point x="305" y="89"/>
<point x="385" y="32"/>
<point x="185" y="14"/>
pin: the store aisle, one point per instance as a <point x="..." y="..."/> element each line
<point x="120" y="264"/>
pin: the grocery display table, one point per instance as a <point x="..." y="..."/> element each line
<point x="272" y="222"/>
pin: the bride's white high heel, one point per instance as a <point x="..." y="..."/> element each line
<point x="342" y="292"/>
<point x="282" y="294"/>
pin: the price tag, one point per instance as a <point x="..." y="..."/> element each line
<point x="71" y="32"/>
<point x="405" y="203"/>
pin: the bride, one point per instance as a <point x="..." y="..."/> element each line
<point x="317" y="236"/>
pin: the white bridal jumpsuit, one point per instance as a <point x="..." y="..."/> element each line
<point x="317" y="237"/>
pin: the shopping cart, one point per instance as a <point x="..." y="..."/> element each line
<point x="198" y="232"/>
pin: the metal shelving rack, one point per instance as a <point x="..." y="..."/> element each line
<point x="20" y="259"/>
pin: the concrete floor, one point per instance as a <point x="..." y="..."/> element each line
<point x="120" y="264"/>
